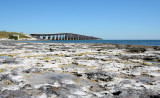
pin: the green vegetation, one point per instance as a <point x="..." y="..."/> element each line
<point x="1" y="70"/>
<point x="148" y="64"/>
<point x="13" y="37"/>
<point x="8" y="82"/>
<point x="4" y="34"/>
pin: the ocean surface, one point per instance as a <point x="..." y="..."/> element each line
<point x="126" y="42"/>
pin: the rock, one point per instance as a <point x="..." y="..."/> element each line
<point x="58" y="91"/>
<point x="74" y="89"/>
<point x="15" y="81"/>
<point x="155" y="96"/>
<point x="100" y="75"/>
<point x="117" y="93"/>
<point x="97" y="88"/>
<point x="77" y="74"/>
<point x="51" y="50"/>
<point x="136" y="50"/>
<point x="33" y="70"/>
<point x="14" y="94"/>
<point x="4" y="77"/>
<point x="26" y="86"/>
<point x="10" y="61"/>
<point x="97" y="70"/>
<point x="14" y="73"/>
<point x="151" y="58"/>
<point x="134" y="93"/>
<point x="109" y="95"/>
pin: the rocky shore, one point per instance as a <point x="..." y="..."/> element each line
<point x="68" y="70"/>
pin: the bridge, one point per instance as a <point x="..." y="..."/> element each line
<point x="64" y="36"/>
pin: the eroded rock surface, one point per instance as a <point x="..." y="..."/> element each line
<point x="67" y="70"/>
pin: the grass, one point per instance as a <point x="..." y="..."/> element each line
<point x="76" y="80"/>
<point x="3" y="54"/>
<point x="32" y="56"/>
<point x="1" y="70"/>
<point x="81" y="54"/>
<point x="148" y="64"/>
<point x="4" y="34"/>
<point x="13" y="54"/>
<point x="8" y="82"/>
<point x="63" y="65"/>
<point x="88" y="53"/>
<point x="47" y="58"/>
<point x="59" y="55"/>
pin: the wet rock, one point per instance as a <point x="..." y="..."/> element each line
<point x="77" y="74"/>
<point x="97" y="88"/>
<point x="10" y="61"/>
<point x="9" y="78"/>
<point x="33" y="70"/>
<point x="125" y="82"/>
<point x="151" y="58"/>
<point x="51" y="50"/>
<point x="141" y="57"/>
<point x="117" y="93"/>
<point x="16" y="82"/>
<point x="155" y="96"/>
<point x="58" y="91"/>
<point x="109" y="95"/>
<point x="26" y="86"/>
<point x="134" y="93"/>
<point x="127" y="57"/>
<point x="136" y="50"/>
<point x="14" y="73"/>
<point x="4" y="77"/>
<point x="73" y="88"/>
<point x="100" y="75"/>
<point x="14" y="94"/>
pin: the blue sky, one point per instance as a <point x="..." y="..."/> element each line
<point x="107" y="19"/>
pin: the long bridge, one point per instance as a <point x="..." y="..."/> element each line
<point x="64" y="36"/>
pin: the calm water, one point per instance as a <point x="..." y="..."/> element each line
<point x="128" y="42"/>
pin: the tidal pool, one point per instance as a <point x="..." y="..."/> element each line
<point x="5" y="56"/>
<point x="62" y="78"/>
<point x="51" y="77"/>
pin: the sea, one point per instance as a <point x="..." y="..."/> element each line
<point x="125" y="42"/>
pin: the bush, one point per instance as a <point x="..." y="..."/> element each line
<point x="13" y="37"/>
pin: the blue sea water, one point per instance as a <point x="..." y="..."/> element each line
<point x="126" y="42"/>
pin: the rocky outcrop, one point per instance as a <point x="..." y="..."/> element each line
<point x="58" y="70"/>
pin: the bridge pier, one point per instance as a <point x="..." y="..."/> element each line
<point x="38" y="37"/>
<point x="66" y="37"/>
<point x="44" y="37"/>
<point x="61" y="37"/>
<point x="57" y="37"/>
<point x="49" y="37"/>
<point x="53" y="37"/>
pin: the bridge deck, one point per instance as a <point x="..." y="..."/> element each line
<point x="63" y="36"/>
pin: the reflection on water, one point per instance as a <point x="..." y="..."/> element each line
<point x="152" y="62"/>
<point x="51" y="77"/>
<point x="66" y="78"/>
<point x="144" y="79"/>
<point x="5" y="56"/>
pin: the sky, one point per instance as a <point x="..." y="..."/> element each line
<point x="107" y="19"/>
